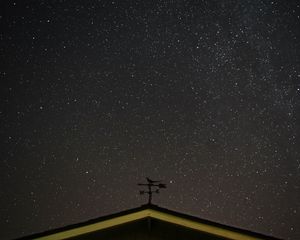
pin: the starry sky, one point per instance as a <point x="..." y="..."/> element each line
<point x="97" y="95"/>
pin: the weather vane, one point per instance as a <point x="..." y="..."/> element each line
<point x="151" y="184"/>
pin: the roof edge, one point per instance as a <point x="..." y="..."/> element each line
<point x="154" y="211"/>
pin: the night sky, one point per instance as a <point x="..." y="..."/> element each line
<point x="97" y="95"/>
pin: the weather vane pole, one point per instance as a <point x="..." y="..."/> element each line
<point x="151" y="184"/>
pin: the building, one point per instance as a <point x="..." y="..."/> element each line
<point x="148" y="222"/>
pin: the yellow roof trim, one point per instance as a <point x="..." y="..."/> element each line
<point x="96" y="226"/>
<point x="200" y="226"/>
<point x="218" y="231"/>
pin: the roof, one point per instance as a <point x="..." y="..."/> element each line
<point x="153" y="212"/>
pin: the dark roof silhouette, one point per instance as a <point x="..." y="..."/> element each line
<point x="150" y="211"/>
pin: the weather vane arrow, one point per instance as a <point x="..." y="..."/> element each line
<point x="150" y="185"/>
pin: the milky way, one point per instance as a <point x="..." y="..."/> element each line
<point x="97" y="95"/>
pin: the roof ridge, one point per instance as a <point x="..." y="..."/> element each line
<point x="158" y="215"/>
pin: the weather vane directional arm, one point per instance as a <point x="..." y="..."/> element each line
<point x="150" y="185"/>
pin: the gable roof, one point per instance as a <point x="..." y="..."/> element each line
<point x="154" y="212"/>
